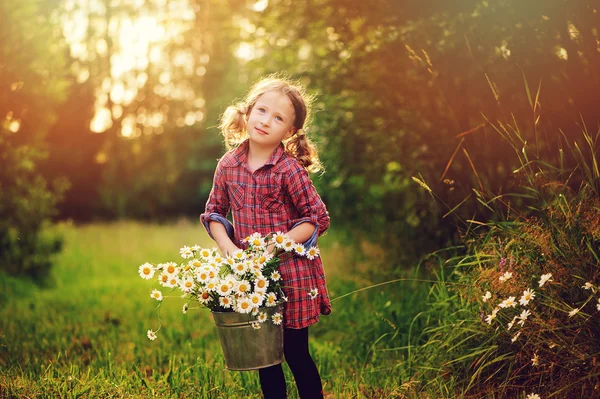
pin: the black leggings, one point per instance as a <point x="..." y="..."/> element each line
<point x="297" y="356"/>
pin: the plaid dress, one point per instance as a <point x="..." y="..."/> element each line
<point x="275" y="197"/>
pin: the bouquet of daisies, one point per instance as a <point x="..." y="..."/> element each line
<point x="243" y="282"/>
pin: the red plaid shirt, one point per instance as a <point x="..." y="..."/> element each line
<point x="274" y="198"/>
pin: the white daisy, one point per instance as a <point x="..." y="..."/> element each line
<point x="171" y="268"/>
<point x="312" y="253"/>
<point x="242" y="287"/>
<point x="505" y="276"/>
<point x="275" y="276"/>
<point x="589" y="286"/>
<point x="211" y="285"/>
<point x="224" y="288"/>
<point x="225" y="302"/>
<point x="243" y="305"/>
<point x="256" y="325"/>
<point x="262" y="317"/>
<point x="544" y="279"/>
<point x="205" y="253"/>
<point x="203" y="275"/>
<point x="299" y="249"/>
<point x="515" y="337"/>
<point x="240" y="268"/>
<point x="527" y="296"/>
<point x="185" y="308"/>
<point x="491" y="316"/>
<point x="172" y="283"/>
<point x="254" y="311"/>
<point x="204" y="297"/>
<point x="146" y="271"/>
<point x="279" y="239"/>
<point x="488" y="295"/>
<point x="196" y="248"/>
<point x="574" y="312"/>
<point x="256" y="240"/>
<point x="535" y="360"/>
<point x="195" y="263"/>
<point x="163" y="279"/>
<point x="257" y="299"/>
<point x="508" y="303"/>
<point x="277" y="318"/>
<point x="238" y="255"/>
<point x="186" y="284"/>
<point x="288" y="245"/>
<point x="156" y="294"/>
<point x="186" y="252"/>
<point x="261" y="284"/>
<point x="271" y="299"/>
<point x="151" y="335"/>
<point x="533" y="396"/>
<point x="523" y="316"/>
<point x="313" y="293"/>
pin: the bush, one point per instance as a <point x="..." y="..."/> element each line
<point x="26" y="206"/>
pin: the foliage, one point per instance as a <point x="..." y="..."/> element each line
<point x="31" y="87"/>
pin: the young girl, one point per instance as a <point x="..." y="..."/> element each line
<point x="264" y="181"/>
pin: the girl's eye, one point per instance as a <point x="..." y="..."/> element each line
<point x="261" y="110"/>
<point x="279" y="118"/>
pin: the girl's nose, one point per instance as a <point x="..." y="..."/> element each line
<point x="266" y="120"/>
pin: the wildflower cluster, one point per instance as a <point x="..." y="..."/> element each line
<point x="244" y="282"/>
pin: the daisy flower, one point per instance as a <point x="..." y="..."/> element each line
<point x="186" y="284"/>
<point x="240" y="268"/>
<point x="151" y="335"/>
<point x="242" y="287"/>
<point x="156" y="294"/>
<point x="589" y="286"/>
<point x="212" y="284"/>
<point x="275" y="276"/>
<point x="279" y="239"/>
<point x="299" y="249"/>
<point x="313" y="293"/>
<point x="196" y="248"/>
<point x="523" y="316"/>
<point x="312" y="253"/>
<point x="574" y="312"/>
<point x="185" y="308"/>
<point x="219" y="259"/>
<point x="257" y="299"/>
<point x="186" y="252"/>
<point x="225" y="302"/>
<point x="196" y="263"/>
<point x="204" y="297"/>
<point x="146" y="271"/>
<point x="171" y="268"/>
<point x="163" y="279"/>
<point x="533" y="396"/>
<point x="491" y="316"/>
<point x="505" y="276"/>
<point x="271" y="299"/>
<point x="535" y="360"/>
<point x="544" y="279"/>
<point x="256" y="240"/>
<point x="511" y="324"/>
<point x="262" y="317"/>
<point x="508" y="303"/>
<point x="224" y="288"/>
<point x="203" y="275"/>
<point x="261" y="284"/>
<point x="527" y="296"/>
<point x="205" y="253"/>
<point x="243" y="305"/>
<point x="277" y="318"/>
<point x="288" y="245"/>
<point x="488" y="295"/>
<point x="172" y="283"/>
<point x="238" y="254"/>
<point x="515" y="337"/>
<point x="256" y="325"/>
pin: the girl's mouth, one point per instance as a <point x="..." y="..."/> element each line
<point x="260" y="131"/>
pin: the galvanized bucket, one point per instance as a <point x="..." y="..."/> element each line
<point x="245" y="348"/>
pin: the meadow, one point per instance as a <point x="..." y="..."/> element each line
<point x="84" y="334"/>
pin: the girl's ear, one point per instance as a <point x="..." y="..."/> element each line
<point x="290" y="133"/>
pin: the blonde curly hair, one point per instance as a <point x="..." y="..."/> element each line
<point x="299" y="145"/>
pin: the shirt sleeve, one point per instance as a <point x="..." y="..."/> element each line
<point x="217" y="205"/>
<point x="307" y="201"/>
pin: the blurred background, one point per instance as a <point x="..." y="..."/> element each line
<point x="108" y="108"/>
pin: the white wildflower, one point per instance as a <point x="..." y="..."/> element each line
<point x="488" y="295"/>
<point x="527" y="296"/>
<point x="544" y="279"/>
<point x="515" y="337"/>
<point x="505" y="276"/>
<point x="508" y="303"/>
<point x="151" y="335"/>
<point x="535" y="360"/>
<point x="574" y="312"/>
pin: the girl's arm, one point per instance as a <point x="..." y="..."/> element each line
<point x="313" y="216"/>
<point x="219" y="234"/>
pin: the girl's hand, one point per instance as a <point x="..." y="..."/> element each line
<point x="228" y="248"/>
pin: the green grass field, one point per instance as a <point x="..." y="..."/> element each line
<point x="84" y="336"/>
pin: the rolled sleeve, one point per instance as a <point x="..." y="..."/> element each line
<point x="307" y="201"/>
<point x="217" y="205"/>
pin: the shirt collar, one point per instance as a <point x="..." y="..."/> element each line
<point x="240" y="156"/>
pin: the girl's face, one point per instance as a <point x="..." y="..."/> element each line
<point x="271" y="120"/>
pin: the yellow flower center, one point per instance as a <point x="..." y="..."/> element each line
<point x="244" y="305"/>
<point x="243" y="288"/>
<point x="188" y="284"/>
<point x="256" y="243"/>
<point x="171" y="269"/>
<point x="205" y="295"/>
<point x="255" y="299"/>
<point x="224" y="288"/>
<point x="279" y="239"/>
<point x="146" y="270"/>
<point x="261" y="283"/>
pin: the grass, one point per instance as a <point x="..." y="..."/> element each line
<point x="84" y="336"/>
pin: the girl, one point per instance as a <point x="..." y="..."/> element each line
<point x="264" y="181"/>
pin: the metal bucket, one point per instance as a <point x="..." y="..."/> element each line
<point x="245" y="348"/>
